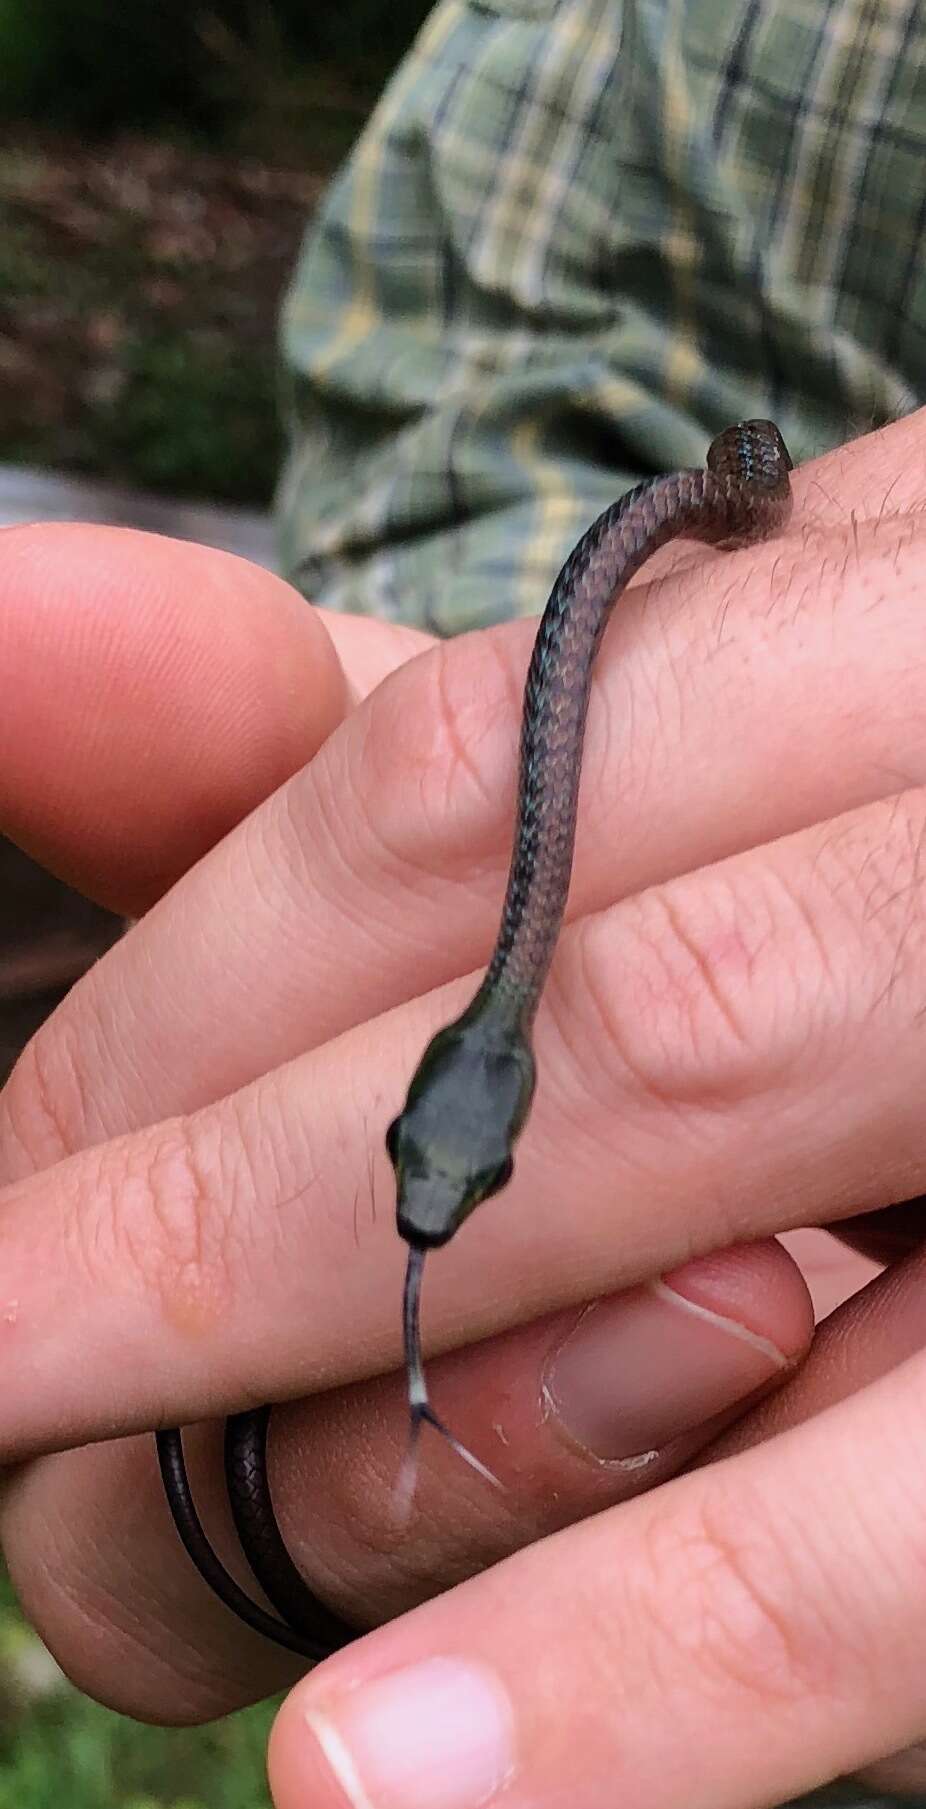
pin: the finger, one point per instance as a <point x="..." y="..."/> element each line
<point x="154" y="692"/>
<point x="379" y="869"/>
<point x="877" y="1329"/>
<point x="737" y="1637"/>
<point x="864" y="1339"/>
<point x="721" y="1058"/>
<point x="577" y="1412"/>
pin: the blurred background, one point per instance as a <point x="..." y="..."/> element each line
<point x="158" y="167"/>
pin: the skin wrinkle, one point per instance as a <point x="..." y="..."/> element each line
<point x="107" y="1613"/>
<point x="94" y="1238"/>
<point x="263" y="1138"/>
<point x="366" y="918"/>
<point x="432" y="856"/>
<point x="300" y="836"/>
<point x="131" y="1617"/>
<point x="56" y="1060"/>
<point x="96" y="1039"/>
<point x="69" y="1057"/>
<point x="97" y="1617"/>
<point x="595" y="991"/>
<point x="587" y="1094"/>
<point x="642" y="950"/>
<point x="910" y="893"/>
<point x="710" y="977"/>
<point x="20" y="1155"/>
<point x="453" y="714"/>
<point x="733" y="577"/>
<point x="799" y="900"/>
<point x="32" y="1102"/>
<point x="740" y="1611"/>
<point x="258" y="1173"/>
<point x="639" y="758"/>
<point x="570" y="1081"/>
<point x="678" y="638"/>
<point x="808" y="1004"/>
<point x="313" y="816"/>
<point x="615" y="717"/>
<point x="259" y="857"/>
<point x="371" y="1166"/>
<point x="581" y="1106"/>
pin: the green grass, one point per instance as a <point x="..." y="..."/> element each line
<point x="58" y="1748"/>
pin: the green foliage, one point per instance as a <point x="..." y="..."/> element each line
<point x="57" y="1747"/>
<point x="77" y="1753"/>
<point x="71" y="1751"/>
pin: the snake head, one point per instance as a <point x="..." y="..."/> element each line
<point x="451" y="1145"/>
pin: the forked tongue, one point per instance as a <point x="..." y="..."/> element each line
<point x="420" y="1410"/>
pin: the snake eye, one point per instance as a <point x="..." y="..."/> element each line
<point x="499" y="1179"/>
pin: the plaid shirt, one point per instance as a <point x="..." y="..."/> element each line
<point x="577" y="238"/>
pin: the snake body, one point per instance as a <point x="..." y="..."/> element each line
<point x="452" y="1144"/>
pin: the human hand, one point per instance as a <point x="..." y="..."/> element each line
<point x="204" y="1359"/>
<point x="142" y="729"/>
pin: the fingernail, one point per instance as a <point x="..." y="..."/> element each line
<point x="438" y="1735"/>
<point x="641" y="1370"/>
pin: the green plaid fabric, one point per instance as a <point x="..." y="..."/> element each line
<point x="576" y="239"/>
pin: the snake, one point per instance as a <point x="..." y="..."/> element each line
<point x="452" y="1145"/>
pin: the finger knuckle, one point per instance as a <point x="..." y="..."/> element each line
<point x="668" y="978"/>
<point x="434" y="748"/>
<point x="723" y="1593"/>
<point x="702" y="990"/>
